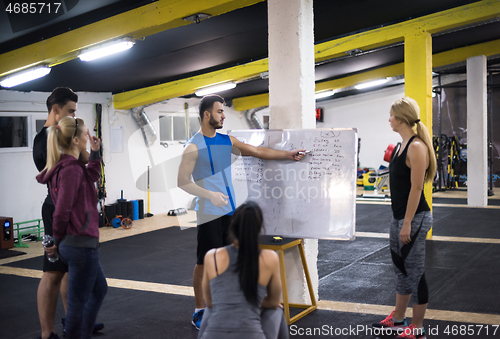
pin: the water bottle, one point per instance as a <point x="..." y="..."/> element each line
<point x="48" y="241"/>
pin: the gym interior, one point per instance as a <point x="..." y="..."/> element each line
<point x="144" y="106"/>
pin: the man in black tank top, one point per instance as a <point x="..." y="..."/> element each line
<point x="61" y="103"/>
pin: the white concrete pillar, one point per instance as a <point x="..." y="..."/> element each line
<point x="477" y="141"/>
<point x="292" y="105"/>
<point x="291" y="64"/>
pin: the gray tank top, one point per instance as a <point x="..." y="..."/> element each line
<point x="231" y="312"/>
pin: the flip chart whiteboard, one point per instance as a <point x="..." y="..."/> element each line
<point x="312" y="198"/>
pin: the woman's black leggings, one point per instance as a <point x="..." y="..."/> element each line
<point x="409" y="259"/>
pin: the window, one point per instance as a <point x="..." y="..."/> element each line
<point x="13" y="131"/>
<point x="194" y="124"/>
<point x="165" y="128"/>
<point x="173" y="126"/>
<point x="179" y="128"/>
<point x="18" y="129"/>
<point x="39" y="125"/>
<point x="265" y="119"/>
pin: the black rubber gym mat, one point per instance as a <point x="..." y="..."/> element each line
<point x="448" y="221"/>
<point x="461" y="277"/>
<point x="7" y="253"/>
<point x="164" y="256"/>
<point x="459" y="201"/>
<point x="364" y="274"/>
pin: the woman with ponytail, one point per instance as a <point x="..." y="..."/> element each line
<point x="76" y="221"/>
<point x="414" y="164"/>
<point x="241" y="284"/>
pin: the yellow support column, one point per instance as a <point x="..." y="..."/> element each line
<point x="418" y="83"/>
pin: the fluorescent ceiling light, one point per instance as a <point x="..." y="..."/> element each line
<point x="214" y="89"/>
<point x="105" y="50"/>
<point x="371" y="84"/>
<point x="22" y="77"/>
<point x="324" y="94"/>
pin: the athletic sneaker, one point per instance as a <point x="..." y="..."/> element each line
<point x="97" y="326"/>
<point x="411" y="332"/>
<point x="197" y="318"/>
<point x="390" y="324"/>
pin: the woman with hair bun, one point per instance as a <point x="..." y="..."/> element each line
<point x="414" y="164"/>
<point x="241" y="284"/>
<point x="76" y="220"/>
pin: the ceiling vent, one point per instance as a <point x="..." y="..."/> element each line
<point x="148" y="131"/>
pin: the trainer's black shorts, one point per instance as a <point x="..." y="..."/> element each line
<point x="213" y="232"/>
<point x="58" y="266"/>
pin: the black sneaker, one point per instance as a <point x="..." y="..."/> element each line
<point x="97" y="326"/>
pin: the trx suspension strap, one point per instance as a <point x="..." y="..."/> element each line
<point x="101" y="184"/>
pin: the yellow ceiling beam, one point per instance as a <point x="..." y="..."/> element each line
<point x="438" y="60"/>
<point x="137" y="23"/>
<point x="252" y="101"/>
<point x="433" y="23"/>
<point x="461" y="54"/>
<point x="458" y="16"/>
<point x="174" y="89"/>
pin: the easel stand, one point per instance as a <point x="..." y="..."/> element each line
<point x="266" y="242"/>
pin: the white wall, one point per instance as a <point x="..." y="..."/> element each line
<point x="22" y="196"/>
<point x="369" y="113"/>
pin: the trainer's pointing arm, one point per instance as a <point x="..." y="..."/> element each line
<point x="189" y="158"/>
<point x="265" y="152"/>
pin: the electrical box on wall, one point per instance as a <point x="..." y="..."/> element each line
<point x="7" y="235"/>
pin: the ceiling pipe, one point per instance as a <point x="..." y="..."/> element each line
<point x="252" y="118"/>
<point x="148" y="131"/>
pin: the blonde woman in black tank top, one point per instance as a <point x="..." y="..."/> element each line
<point x="414" y="164"/>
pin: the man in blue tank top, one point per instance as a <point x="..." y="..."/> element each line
<point x="207" y="158"/>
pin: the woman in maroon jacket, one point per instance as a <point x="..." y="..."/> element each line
<point x="76" y="220"/>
